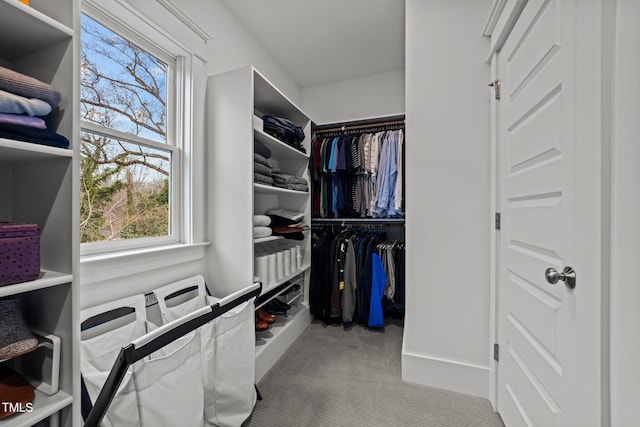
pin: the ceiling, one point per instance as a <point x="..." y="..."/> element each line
<point x="323" y="41"/>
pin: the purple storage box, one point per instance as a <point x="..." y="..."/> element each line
<point x="19" y="253"/>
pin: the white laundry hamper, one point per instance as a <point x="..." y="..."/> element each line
<point x="228" y="351"/>
<point x="169" y="384"/>
<point x="98" y="352"/>
<point x="234" y="366"/>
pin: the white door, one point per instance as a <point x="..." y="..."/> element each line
<point x="548" y="374"/>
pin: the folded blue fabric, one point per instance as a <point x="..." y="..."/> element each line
<point x="27" y="86"/>
<point x="16" y="104"/>
<point x="34" y="135"/>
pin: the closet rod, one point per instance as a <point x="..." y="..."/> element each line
<point x="356" y="221"/>
<point x="356" y="127"/>
<point x="158" y="338"/>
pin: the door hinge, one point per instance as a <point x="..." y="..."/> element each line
<point x="497" y="220"/>
<point x="496" y="352"/>
<point x="496" y="85"/>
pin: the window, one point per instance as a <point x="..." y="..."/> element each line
<point x="129" y="164"/>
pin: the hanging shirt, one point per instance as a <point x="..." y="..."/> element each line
<point x="372" y="168"/>
<point x="350" y="285"/>
<point x="323" y="180"/>
<point x="398" y="190"/>
<point x="378" y="280"/>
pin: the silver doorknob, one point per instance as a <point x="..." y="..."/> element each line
<point x="568" y="276"/>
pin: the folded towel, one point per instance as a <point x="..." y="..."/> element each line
<point x="260" y="148"/>
<point x="284" y="178"/>
<point x="295" y="187"/>
<point x="261" y="220"/>
<point x="284" y="217"/>
<point x="22" y="120"/>
<point x="261" y="179"/>
<point x="273" y="165"/>
<point x="27" y="86"/>
<point x="261" y="169"/>
<point x="259" y="158"/>
<point x="15" y="104"/>
<point x="259" y="232"/>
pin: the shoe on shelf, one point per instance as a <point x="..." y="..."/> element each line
<point x="16" y="338"/>
<point x="261" y="325"/>
<point x="281" y="304"/>
<point x="263" y="315"/>
<point x="272" y="308"/>
<point x="291" y="289"/>
<point x="15" y="390"/>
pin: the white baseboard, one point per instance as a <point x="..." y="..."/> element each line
<point x="445" y="374"/>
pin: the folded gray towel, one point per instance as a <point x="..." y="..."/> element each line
<point x="27" y="86"/>
<point x="285" y="178"/>
<point x="261" y="169"/>
<point x="16" y="104"/>
<point x="260" y="148"/>
<point x="272" y="164"/>
<point x="296" y="187"/>
<point x="259" y="158"/>
<point x="261" y="179"/>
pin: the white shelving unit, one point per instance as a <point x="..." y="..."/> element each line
<point x="268" y="189"/>
<point x="38" y="184"/>
<point x="236" y="101"/>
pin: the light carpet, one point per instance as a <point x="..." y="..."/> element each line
<point x="331" y="377"/>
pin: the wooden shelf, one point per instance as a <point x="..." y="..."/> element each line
<point x="20" y="151"/>
<point x="25" y="30"/>
<point x="268" y="189"/>
<point x="43" y="407"/>
<point x="47" y="279"/>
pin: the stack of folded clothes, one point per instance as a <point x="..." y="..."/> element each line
<point x="261" y="169"/>
<point x="261" y="227"/>
<point x="290" y="182"/>
<point x="287" y="224"/>
<point x="27" y="110"/>
<point x="285" y="131"/>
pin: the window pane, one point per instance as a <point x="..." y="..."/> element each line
<point x="122" y="86"/>
<point x="124" y="190"/>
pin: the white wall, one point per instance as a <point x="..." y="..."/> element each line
<point x="446" y="336"/>
<point x="371" y="96"/>
<point x="233" y="46"/>
<point x="625" y="239"/>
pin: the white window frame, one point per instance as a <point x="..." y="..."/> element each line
<point x="147" y="36"/>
